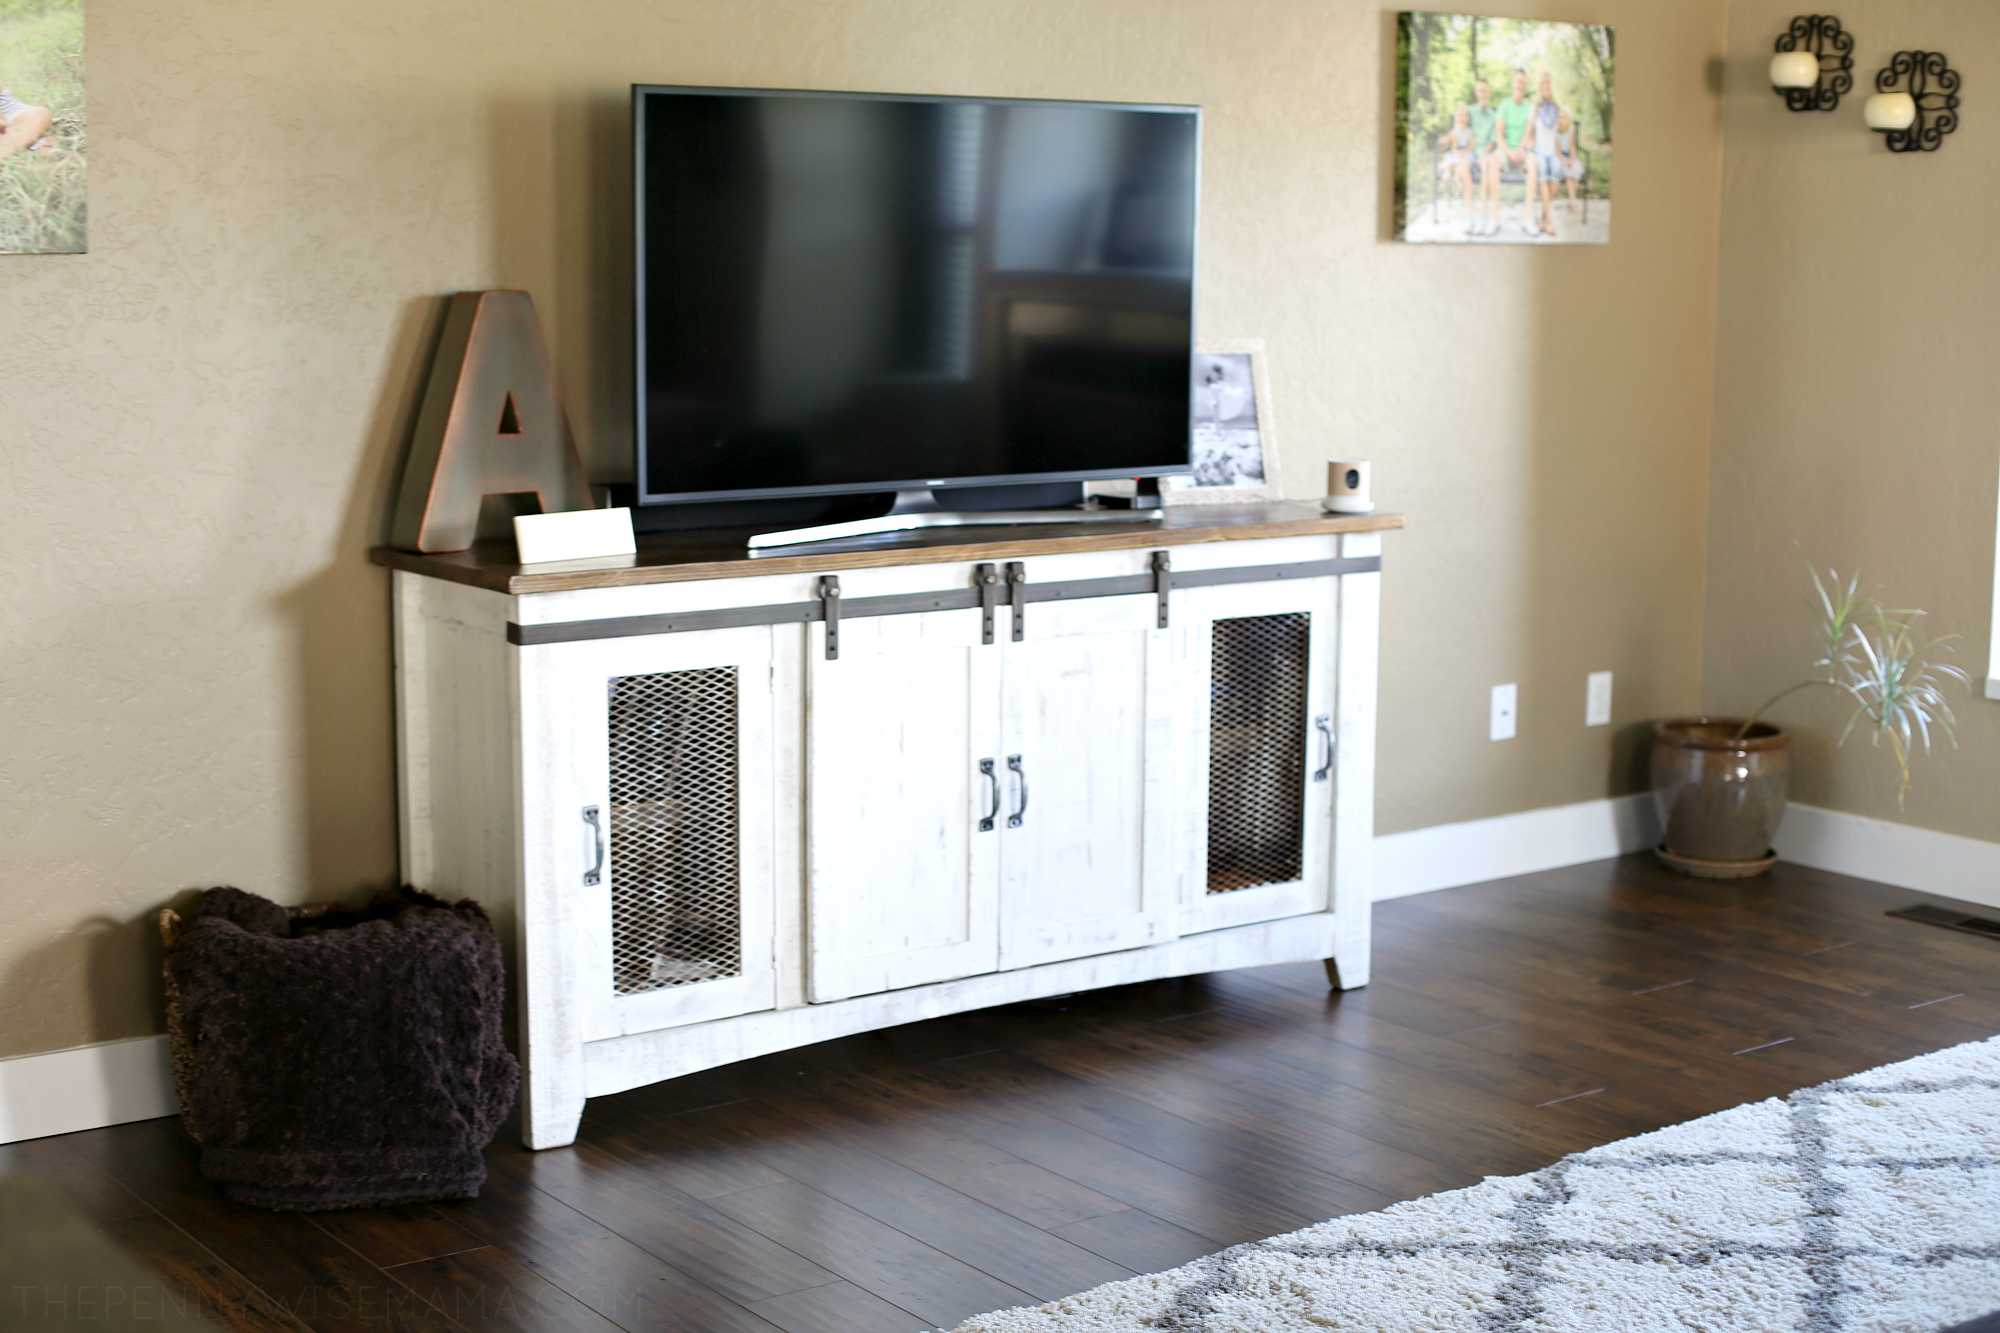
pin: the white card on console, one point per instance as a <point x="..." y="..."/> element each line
<point x="579" y="534"/>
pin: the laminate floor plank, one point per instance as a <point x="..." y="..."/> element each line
<point x="1002" y="1090"/>
<point x="1412" y="1007"/>
<point x="72" y="1177"/>
<point x="688" y="1234"/>
<point x="1220" y="1212"/>
<point x="1501" y="905"/>
<point x="1619" y="957"/>
<point x="193" y="1280"/>
<point x="1875" y="968"/>
<point x="1867" y="969"/>
<point x="833" y="1164"/>
<point x="1138" y="1240"/>
<point x="1698" y="1086"/>
<point x="484" y="1288"/>
<point x="402" y="1234"/>
<point x="698" y="1168"/>
<point x="1832" y="907"/>
<point x="1235" y="1092"/>
<point x="839" y="1307"/>
<point x="1380" y="1100"/>
<point x="973" y="1167"/>
<point x="1956" y="1019"/>
<point x="292" y="1265"/>
<point x="1259" y="1156"/>
<point x="1262" y="1154"/>
<point x="587" y="1260"/>
<point x="897" y="1181"/>
<point x="1882" y="951"/>
<point x="1751" y="1002"/>
<point x="875" y="1257"/>
<point x="1680" y="1036"/>
<point x="1535" y="1078"/>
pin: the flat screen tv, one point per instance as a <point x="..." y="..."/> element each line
<point x="842" y="294"/>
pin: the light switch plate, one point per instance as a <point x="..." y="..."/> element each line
<point x="1504" y="699"/>
<point x="1597" y="700"/>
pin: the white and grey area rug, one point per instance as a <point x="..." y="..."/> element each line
<point x="1871" y="1203"/>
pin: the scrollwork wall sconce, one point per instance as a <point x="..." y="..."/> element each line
<point x="1814" y="64"/>
<point x="1915" y="102"/>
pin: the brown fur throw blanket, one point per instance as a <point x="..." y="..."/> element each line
<point x="347" y="1060"/>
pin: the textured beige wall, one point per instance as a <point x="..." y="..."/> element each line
<point x="1856" y="401"/>
<point x="201" y="418"/>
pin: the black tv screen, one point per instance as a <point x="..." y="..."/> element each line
<point x="843" y="293"/>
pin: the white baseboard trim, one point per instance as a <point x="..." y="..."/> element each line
<point x="1448" y="855"/>
<point x="1900" y="854"/>
<point x="85" y="1087"/>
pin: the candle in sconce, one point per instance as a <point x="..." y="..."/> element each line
<point x="1890" y="111"/>
<point x="1794" y="69"/>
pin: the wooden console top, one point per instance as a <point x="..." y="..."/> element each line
<point x="719" y="553"/>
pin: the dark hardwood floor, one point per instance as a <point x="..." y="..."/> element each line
<point x="907" y="1179"/>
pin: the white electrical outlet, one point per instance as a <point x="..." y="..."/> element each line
<point x="1597" y="700"/>
<point x="1504" y="697"/>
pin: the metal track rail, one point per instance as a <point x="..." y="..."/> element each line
<point x="1016" y="593"/>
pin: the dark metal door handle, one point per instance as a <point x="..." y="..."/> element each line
<point x="1020" y="776"/>
<point x="1325" y="725"/>
<point x="591" y="817"/>
<point x="992" y="810"/>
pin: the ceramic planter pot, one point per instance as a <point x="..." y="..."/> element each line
<point x="1719" y="799"/>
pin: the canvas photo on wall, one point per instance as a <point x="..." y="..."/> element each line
<point x="1503" y="130"/>
<point x="41" y="127"/>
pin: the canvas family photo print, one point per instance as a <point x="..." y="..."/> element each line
<point x="41" y="127"/>
<point x="1503" y="130"/>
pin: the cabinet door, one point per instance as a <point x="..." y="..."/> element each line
<point x="1085" y="865"/>
<point x="902" y="881"/>
<point x="1259" y="684"/>
<point x="664" y="841"/>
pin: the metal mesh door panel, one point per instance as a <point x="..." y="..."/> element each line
<point x="1257" y="751"/>
<point x="676" y="890"/>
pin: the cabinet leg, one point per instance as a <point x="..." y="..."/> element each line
<point x="1333" y="976"/>
<point x="546" y="1123"/>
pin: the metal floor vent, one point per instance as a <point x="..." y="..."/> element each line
<point x="1951" y="920"/>
<point x="676" y="899"/>
<point x="1257" y="751"/>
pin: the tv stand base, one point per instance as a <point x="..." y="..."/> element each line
<point x="920" y="509"/>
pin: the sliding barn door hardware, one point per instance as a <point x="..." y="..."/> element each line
<point x="829" y="607"/>
<point x="829" y="611"/>
<point x="988" y="583"/>
<point x="1017" y="594"/>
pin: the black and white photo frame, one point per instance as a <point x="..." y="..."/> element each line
<point x="1231" y="436"/>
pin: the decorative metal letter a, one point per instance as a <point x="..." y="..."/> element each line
<point x="492" y="423"/>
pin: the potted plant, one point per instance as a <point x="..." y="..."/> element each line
<point x="1719" y="782"/>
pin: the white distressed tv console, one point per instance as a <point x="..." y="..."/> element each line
<point x="737" y="805"/>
